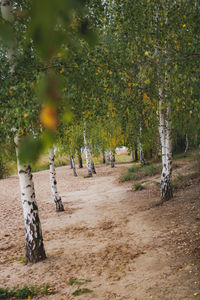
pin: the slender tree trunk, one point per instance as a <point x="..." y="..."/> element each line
<point x="34" y="242"/>
<point x="73" y="165"/>
<point x="103" y="157"/>
<point x="107" y="158"/>
<point x="80" y="161"/>
<point x="186" y="143"/>
<point x="166" y="145"/>
<point x="136" y="154"/>
<point x="70" y="162"/>
<point x="87" y="154"/>
<point x="92" y="162"/>
<point x="112" y="162"/>
<point x="53" y="183"/>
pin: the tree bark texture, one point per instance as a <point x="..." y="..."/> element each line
<point x="73" y="166"/>
<point x="107" y="158"/>
<point x="80" y="161"/>
<point x="165" y="132"/>
<point x="112" y="161"/>
<point x="34" y="241"/>
<point x="87" y="154"/>
<point x="53" y="183"/>
<point x="92" y="162"/>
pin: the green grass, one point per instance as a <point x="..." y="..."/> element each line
<point x="81" y="291"/>
<point x="134" y="168"/>
<point x="75" y="281"/>
<point x="138" y="187"/>
<point x="25" y="292"/>
<point x="128" y="177"/>
<point x="137" y="172"/>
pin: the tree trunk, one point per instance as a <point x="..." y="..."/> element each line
<point x="87" y="154"/>
<point x="107" y="158"/>
<point x="34" y="242"/>
<point x="92" y="162"/>
<point x="73" y="166"/>
<point x="103" y="157"/>
<point x="166" y="145"/>
<point x="112" y="162"/>
<point x="80" y="161"/>
<point x="53" y="183"/>
<point x="186" y="143"/>
<point x="70" y="162"/>
<point x="136" y="154"/>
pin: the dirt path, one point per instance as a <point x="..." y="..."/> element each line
<point x="120" y="241"/>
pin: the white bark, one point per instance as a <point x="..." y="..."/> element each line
<point x="107" y="158"/>
<point x="186" y="143"/>
<point x="53" y="183"/>
<point x="166" y="146"/>
<point x="34" y="242"/>
<point x="112" y="164"/>
<point x="87" y="154"/>
<point x="73" y="165"/>
<point x="92" y="162"/>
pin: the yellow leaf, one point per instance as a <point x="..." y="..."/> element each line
<point x="189" y="44"/>
<point x="190" y="111"/>
<point x="110" y="72"/>
<point x="59" y="54"/>
<point x="104" y="19"/>
<point x="184" y="25"/>
<point x="48" y="117"/>
<point x="195" y="294"/>
<point x="130" y="84"/>
<point x="132" y="62"/>
<point x="25" y="115"/>
<point x="62" y="70"/>
<point x="146" y="53"/>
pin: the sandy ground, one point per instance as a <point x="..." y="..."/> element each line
<point x="118" y="240"/>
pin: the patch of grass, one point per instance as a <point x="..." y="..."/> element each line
<point x="25" y="292"/>
<point x="151" y="170"/>
<point x="134" y="168"/>
<point x="81" y="291"/>
<point x="181" y="155"/>
<point x="76" y="281"/>
<point x="128" y="177"/>
<point x="138" y="187"/>
<point x="182" y="181"/>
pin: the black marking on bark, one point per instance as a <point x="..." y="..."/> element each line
<point x="29" y="185"/>
<point x="55" y="182"/>
<point x="35" y="207"/>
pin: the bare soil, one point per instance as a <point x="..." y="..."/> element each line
<point x="123" y="243"/>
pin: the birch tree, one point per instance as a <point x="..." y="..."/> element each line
<point x="34" y="241"/>
<point x="53" y="182"/>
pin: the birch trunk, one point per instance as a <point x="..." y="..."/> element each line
<point x="92" y="162"/>
<point x="53" y="183"/>
<point x="80" y="161"/>
<point x="87" y="154"/>
<point x="186" y="143"/>
<point x="166" y="146"/>
<point x="107" y="158"/>
<point x="34" y="242"/>
<point x="103" y="157"/>
<point x="70" y="161"/>
<point x="112" y="161"/>
<point x="73" y="166"/>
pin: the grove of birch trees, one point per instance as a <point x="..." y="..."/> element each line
<point x="94" y="76"/>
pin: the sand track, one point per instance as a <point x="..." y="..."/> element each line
<point x="117" y="239"/>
